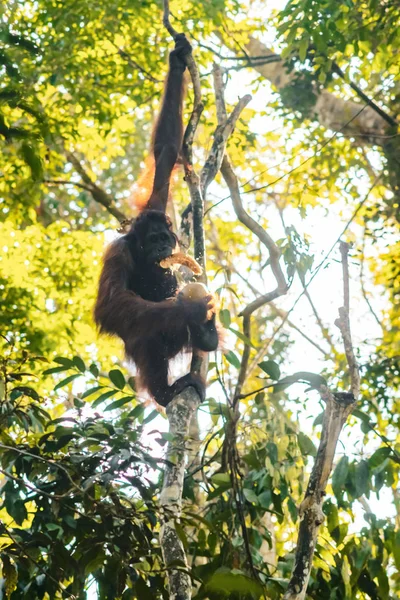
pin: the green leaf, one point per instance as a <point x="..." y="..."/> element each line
<point x="379" y="456"/>
<point x="227" y="583"/>
<point x="27" y="391"/>
<point x="271" y="368"/>
<point x="332" y="513"/>
<point x="117" y="378"/>
<point x="286" y="51"/>
<point x="303" y="46"/>
<point x="306" y="445"/>
<point x="79" y="364"/>
<point x="150" y="417"/>
<point x="319" y="419"/>
<point x="218" y="491"/>
<point x="10" y="575"/>
<point x="221" y="479"/>
<point x="339" y="476"/>
<point x="55" y="370"/>
<point x="103" y="397"/>
<point x="259" y="398"/>
<point x="91" y="391"/>
<point x="66" y="362"/>
<point x="66" y="381"/>
<point x="232" y="359"/>
<point x="264" y="499"/>
<point x="242" y="337"/>
<point x="225" y="317"/>
<point x="33" y="160"/>
<point x="18" y="511"/>
<point x="360" y="415"/>
<point x="361" y="478"/>
<point x="119" y="403"/>
<point x="250" y="496"/>
<point x="94" y="369"/>
<point x="137" y="412"/>
<point x="95" y="563"/>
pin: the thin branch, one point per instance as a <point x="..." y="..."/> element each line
<point x="191" y="64"/>
<point x="128" y="58"/>
<point x="251" y="60"/>
<point x="338" y="408"/>
<point x="388" y="118"/>
<point x="42" y="569"/>
<point x="222" y="133"/>
<point x="363" y="290"/>
<point x="66" y="182"/>
<point x="173" y="33"/>
<point x="317" y="152"/>
<point x="343" y="323"/>
<point x="98" y="194"/>
<point x="311" y="514"/>
<point x="47" y="461"/>
<point x="33" y="488"/>
<point x="324" y="330"/>
<point x="264" y="237"/>
<point x="230" y="455"/>
<point x="281" y="313"/>
<point x="327" y="255"/>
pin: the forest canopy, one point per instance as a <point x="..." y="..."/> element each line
<point x="288" y="476"/>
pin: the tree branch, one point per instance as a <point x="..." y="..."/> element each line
<point x="213" y="162"/>
<point x="330" y="111"/>
<point x="180" y="412"/>
<point x="98" y="194"/>
<point x="338" y="408"/>
<point x="388" y="118"/>
<point x="343" y="323"/>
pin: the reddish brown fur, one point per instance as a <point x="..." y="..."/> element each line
<point x="137" y="298"/>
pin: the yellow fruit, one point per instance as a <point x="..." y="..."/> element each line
<point x="194" y="291"/>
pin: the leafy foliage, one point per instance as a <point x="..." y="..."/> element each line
<point x="80" y="470"/>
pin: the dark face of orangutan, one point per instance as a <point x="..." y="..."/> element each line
<point x="159" y="242"/>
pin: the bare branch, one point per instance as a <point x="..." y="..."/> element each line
<point x="264" y="237"/>
<point x="66" y="182"/>
<point x="98" y="194"/>
<point x="218" y="73"/>
<point x="274" y="254"/>
<point x="343" y="323"/>
<point x="338" y="408"/>
<point x="283" y="315"/>
<point x="224" y="129"/>
<point x="221" y="135"/>
<point x="363" y="290"/>
<point x="135" y="65"/>
<point x="191" y="63"/>
<point x="311" y="514"/>
<point x="173" y="33"/>
<point x="388" y="118"/>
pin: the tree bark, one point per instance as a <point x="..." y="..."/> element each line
<point x="351" y="118"/>
<point x="180" y="413"/>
